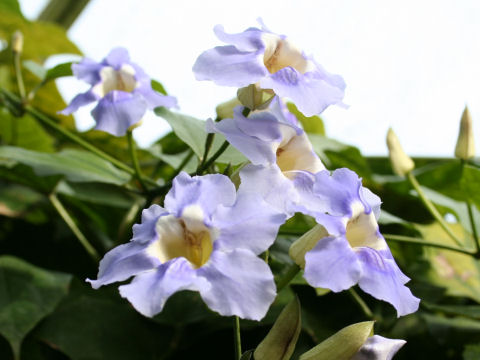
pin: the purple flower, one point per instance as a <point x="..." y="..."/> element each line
<point x="378" y="348"/>
<point x="274" y="62"/>
<point x="122" y="89"/>
<point x="206" y="239"/>
<point x="346" y="248"/>
<point x="277" y="148"/>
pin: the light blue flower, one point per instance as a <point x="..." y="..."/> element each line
<point x="273" y="62"/>
<point x="378" y="348"/>
<point x="206" y="239"/>
<point x="347" y="248"/>
<point x="122" y="89"/>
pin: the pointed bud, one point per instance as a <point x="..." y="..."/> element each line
<point x="254" y="98"/>
<point x="17" y="42"/>
<point x="401" y="162"/>
<point x="306" y="243"/>
<point x="465" y="148"/>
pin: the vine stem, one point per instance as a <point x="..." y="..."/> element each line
<point x="237" y="338"/>
<point x="73" y="227"/>
<point x="417" y="241"/>
<point x="433" y="210"/>
<point x="214" y="157"/>
<point x="362" y="304"/>
<point x="290" y="273"/>
<point x="133" y="155"/>
<point x="78" y="140"/>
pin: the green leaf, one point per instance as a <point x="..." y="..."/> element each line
<point x="35" y="68"/>
<point x="471" y="352"/>
<point x="174" y="160"/>
<point x="27" y="295"/>
<point x="470" y="184"/>
<point x="16" y="199"/>
<point x="60" y="70"/>
<point x="342" y="345"/>
<point x="192" y="132"/>
<point x="247" y="355"/>
<point x="11" y="6"/>
<point x="75" y="165"/>
<point x="157" y="86"/>
<point x="311" y="124"/>
<point x="471" y="311"/>
<point x="282" y="337"/>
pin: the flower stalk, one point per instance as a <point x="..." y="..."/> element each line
<point x="237" y="338"/>
<point x="133" y="155"/>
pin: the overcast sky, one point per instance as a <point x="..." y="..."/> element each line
<point x="412" y="65"/>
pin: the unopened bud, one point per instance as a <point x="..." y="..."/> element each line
<point x="17" y="42"/>
<point x="254" y="98"/>
<point x="465" y="148"/>
<point x="401" y="162"/>
<point x="225" y="109"/>
<point x="306" y="243"/>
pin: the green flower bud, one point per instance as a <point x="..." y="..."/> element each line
<point x="306" y="243"/>
<point x="465" y="148"/>
<point x="401" y="162"/>
<point x="17" y="42"/>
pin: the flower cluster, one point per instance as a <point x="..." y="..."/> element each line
<point x="208" y="235"/>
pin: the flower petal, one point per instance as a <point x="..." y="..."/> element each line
<point x="155" y="99"/>
<point x="310" y="92"/>
<point x="79" y="101"/>
<point x="117" y="111"/>
<point x="249" y="224"/>
<point x="385" y="281"/>
<point x="148" y="292"/>
<point x="117" y="57"/>
<point x="87" y="70"/>
<point x="378" y="348"/>
<point x="145" y="232"/>
<point x="122" y="262"/>
<point x="208" y="192"/>
<point x="226" y="65"/>
<point x="332" y="264"/>
<point x="249" y="40"/>
<point x="241" y="284"/>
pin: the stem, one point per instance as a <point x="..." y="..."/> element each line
<point x="433" y="210"/>
<point x="362" y="304"/>
<point x="52" y="123"/>
<point x="18" y="75"/>
<point x="208" y="146"/>
<point x="133" y="155"/>
<point x="470" y="215"/>
<point x="214" y="157"/>
<point x="417" y="241"/>
<point x="237" y="338"/>
<point x="182" y="164"/>
<point x="71" y="224"/>
<point x="291" y="272"/>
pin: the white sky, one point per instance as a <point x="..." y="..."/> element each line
<point x="412" y="65"/>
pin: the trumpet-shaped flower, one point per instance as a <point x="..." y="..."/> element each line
<point x="122" y="89"/>
<point x="274" y="62"/>
<point x="277" y="148"/>
<point x="206" y="239"/>
<point x="378" y="348"/>
<point x="346" y="248"/>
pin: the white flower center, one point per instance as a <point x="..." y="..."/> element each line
<point x="362" y="229"/>
<point x="280" y="53"/>
<point x="121" y="80"/>
<point x="186" y="237"/>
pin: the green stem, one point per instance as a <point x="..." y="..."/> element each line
<point x="208" y="146"/>
<point x="133" y="155"/>
<point x="417" y="241"/>
<point x="362" y="304"/>
<point x="78" y="140"/>
<point x="291" y="272"/>
<point x="73" y="227"/>
<point x="182" y="164"/>
<point x="433" y="210"/>
<point x="237" y="338"/>
<point x="214" y="157"/>
<point x="18" y="75"/>
<point x="470" y="214"/>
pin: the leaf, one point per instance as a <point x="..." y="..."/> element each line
<point x="471" y="311"/>
<point x="247" y="355"/>
<point x="35" y="68"/>
<point x="342" y="345"/>
<point x="174" y="160"/>
<point x="16" y="199"/>
<point x="470" y="183"/>
<point x="27" y="295"/>
<point x="157" y="86"/>
<point x="75" y="165"/>
<point x="192" y="132"/>
<point x="60" y="70"/>
<point x="311" y="124"/>
<point x="471" y="352"/>
<point x="282" y="337"/>
<point x="11" y="6"/>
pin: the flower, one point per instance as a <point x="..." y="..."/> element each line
<point x="277" y="148"/>
<point x="274" y="62"/>
<point x="378" y="348"/>
<point x="346" y="248"/>
<point x="122" y="89"/>
<point x="206" y="239"/>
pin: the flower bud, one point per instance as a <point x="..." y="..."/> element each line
<point x="17" y="42"/>
<point x="225" y="109"/>
<point x="401" y="162"/>
<point x="306" y="243"/>
<point x="253" y="97"/>
<point x="465" y="148"/>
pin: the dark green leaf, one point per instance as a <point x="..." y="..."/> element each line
<point x="471" y="352"/>
<point x="60" y="70"/>
<point x="27" y="295"/>
<point x="247" y="355"/>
